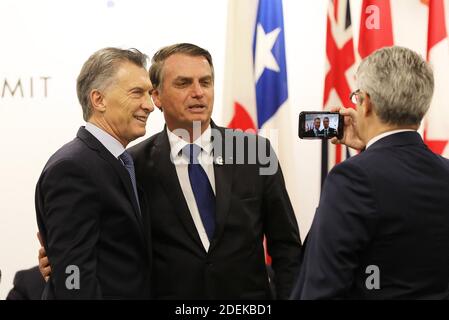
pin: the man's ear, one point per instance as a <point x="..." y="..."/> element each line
<point x="97" y="100"/>
<point x="368" y="109"/>
<point x="156" y="99"/>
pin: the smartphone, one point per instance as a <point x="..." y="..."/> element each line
<point x="320" y="125"/>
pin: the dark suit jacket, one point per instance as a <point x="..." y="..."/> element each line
<point x="88" y="217"/>
<point x="330" y="132"/>
<point x="248" y="206"/>
<point x="386" y="207"/>
<point x="310" y="133"/>
<point x="28" y="285"/>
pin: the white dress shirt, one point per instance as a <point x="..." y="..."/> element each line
<point x="383" y="135"/>
<point x="181" y="161"/>
<point x="108" y="141"/>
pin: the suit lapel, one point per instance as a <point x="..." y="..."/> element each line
<point x="94" y="144"/>
<point x="223" y="169"/>
<point x="168" y="178"/>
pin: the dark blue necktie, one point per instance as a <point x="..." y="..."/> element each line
<point x="129" y="165"/>
<point x="202" y="190"/>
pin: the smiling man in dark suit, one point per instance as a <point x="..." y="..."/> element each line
<point x="315" y="131"/>
<point x="381" y="230"/>
<point x="91" y="220"/>
<point x="209" y="210"/>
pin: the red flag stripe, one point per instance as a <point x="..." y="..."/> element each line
<point x="437" y="24"/>
<point x="371" y="39"/>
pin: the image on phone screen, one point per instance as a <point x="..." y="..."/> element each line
<point x="320" y="125"/>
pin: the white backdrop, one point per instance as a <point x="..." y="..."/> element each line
<point x="45" y="42"/>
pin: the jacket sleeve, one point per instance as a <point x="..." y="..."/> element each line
<point x="67" y="198"/>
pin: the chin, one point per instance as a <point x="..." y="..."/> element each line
<point x="139" y="133"/>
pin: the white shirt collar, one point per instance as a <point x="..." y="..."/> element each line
<point x="177" y="143"/>
<point x="383" y="135"/>
<point x="108" y="141"/>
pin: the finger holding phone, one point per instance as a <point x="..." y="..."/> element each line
<point x="350" y="136"/>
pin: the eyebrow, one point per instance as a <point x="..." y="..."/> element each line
<point x="137" y="88"/>
<point x="184" y="78"/>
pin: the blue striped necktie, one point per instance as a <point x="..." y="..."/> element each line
<point x="202" y="190"/>
<point x="129" y="165"/>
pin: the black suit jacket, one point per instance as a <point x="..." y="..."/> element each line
<point x="28" y="285"/>
<point x="88" y="217"/>
<point x="310" y="133"/>
<point x="330" y="132"/>
<point x="387" y="207"/>
<point x="248" y="206"/>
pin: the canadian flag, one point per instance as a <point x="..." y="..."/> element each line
<point x="436" y="123"/>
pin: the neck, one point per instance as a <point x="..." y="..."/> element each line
<point x="382" y="128"/>
<point x="102" y="124"/>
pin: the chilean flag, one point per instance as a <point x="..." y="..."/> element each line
<point x="256" y="91"/>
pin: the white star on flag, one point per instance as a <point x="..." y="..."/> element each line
<point x="264" y="57"/>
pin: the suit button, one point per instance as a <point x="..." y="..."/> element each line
<point x="209" y="264"/>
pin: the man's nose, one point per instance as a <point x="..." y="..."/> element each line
<point x="197" y="90"/>
<point x="148" y="104"/>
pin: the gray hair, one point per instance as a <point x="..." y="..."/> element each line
<point x="157" y="62"/>
<point x="399" y="83"/>
<point x="99" y="70"/>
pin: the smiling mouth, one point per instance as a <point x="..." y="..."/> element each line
<point x="197" y="107"/>
<point x="141" y="118"/>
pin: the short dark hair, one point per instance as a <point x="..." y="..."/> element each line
<point x="157" y="62"/>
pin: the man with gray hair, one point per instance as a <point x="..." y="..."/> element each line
<point x="381" y="230"/>
<point x="89" y="214"/>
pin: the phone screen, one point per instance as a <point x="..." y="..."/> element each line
<point x="320" y="125"/>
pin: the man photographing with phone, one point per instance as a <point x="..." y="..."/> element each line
<point x="381" y="230"/>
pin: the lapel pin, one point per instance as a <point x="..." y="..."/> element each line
<point x="219" y="160"/>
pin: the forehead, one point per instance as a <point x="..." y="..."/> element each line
<point x="182" y="65"/>
<point x="130" y="74"/>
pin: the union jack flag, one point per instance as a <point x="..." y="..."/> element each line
<point x="340" y="71"/>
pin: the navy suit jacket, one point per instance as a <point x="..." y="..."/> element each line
<point x="248" y="204"/>
<point x="330" y="132"/>
<point x="387" y="207"/>
<point x="88" y="217"/>
<point x="28" y="285"/>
